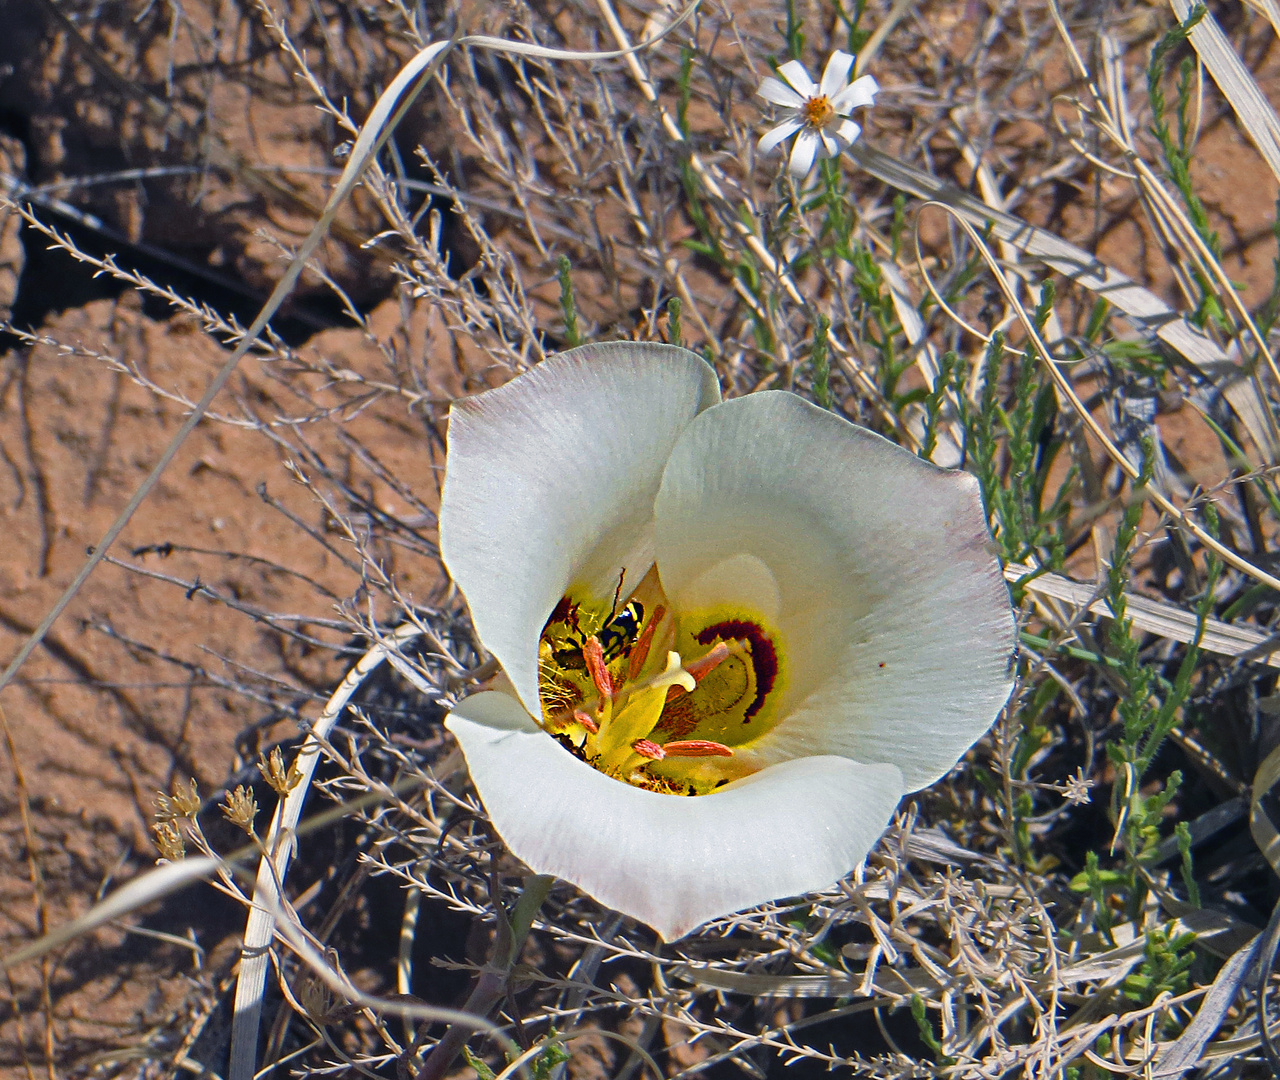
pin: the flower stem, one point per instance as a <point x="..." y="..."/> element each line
<point x="491" y="986"/>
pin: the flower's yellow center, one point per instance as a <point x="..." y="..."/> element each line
<point x="818" y="111"/>
<point x="617" y="694"/>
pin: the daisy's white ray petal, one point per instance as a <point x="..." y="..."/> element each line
<point x="836" y="74"/>
<point x="779" y="93"/>
<point x="550" y="481"/>
<point x="771" y="138"/>
<point x="849" y="130"/>
<point x="793" y="71"/>
<point x="861" y="91"/>
<point x="830" y="147"/>
<point x="895" y="621"/>
<point x="803" y="152"/>
<point x="671" y="861"/>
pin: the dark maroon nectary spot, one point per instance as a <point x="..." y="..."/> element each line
<point x="764" y="658"/>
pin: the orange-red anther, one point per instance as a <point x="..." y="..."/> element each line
<point x="584" y="718"/>
<point x="702" y="667"/>
<point x="640" y="650"/>
<point x="696" y="748"/>
<point x="648" y="749"/>
<point x="593" y="654"/>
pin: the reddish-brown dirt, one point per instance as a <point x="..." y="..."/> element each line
<point x="136" y="686"/>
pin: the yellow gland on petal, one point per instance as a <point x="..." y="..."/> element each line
<point x="610" y="698"/>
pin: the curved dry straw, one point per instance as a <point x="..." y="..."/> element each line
<point x="264" y="918"/>
<point x="1086" y="418"/>
<point x="170" y="877"/>
<point x="383" y="119"/>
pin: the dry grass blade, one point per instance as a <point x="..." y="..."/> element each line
<point x="1233" y="558"/>
<point x="1265" y="833"/>
<point x="1185" y="1053"/>
<point x="262" y="923"/>
<point x="1271" y="10"/>
<point x="1250" y="105"/>
<point x="1154" y="616"/>
<point x="1146" y="310"/>
<point x="153" y="885"/>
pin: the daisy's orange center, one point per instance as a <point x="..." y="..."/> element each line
<point x="818" y="111"/>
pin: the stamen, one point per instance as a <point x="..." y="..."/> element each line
<point x="703" y="667"/>
<point x="818" y="111"/>
<point x="586" y="721"/>
<point x="648" y="749"/>
<point x="696" y="748"/>
<point x="640" y="651"/>
<point x="593" y="654"/>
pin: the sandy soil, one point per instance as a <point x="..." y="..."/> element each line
<point x="147" y="678"/>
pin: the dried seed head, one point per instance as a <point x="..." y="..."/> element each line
<point x="316" y="999"/>
<point x="1076" y="788"/>
<point x="186" y="797"/>
<point x="169" y="840"/>
<point x="184" y="802"/>
<point x="240" y="808"/>
<point x="282" y="780"/>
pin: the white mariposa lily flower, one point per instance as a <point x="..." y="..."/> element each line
<point x="817" y="114"/>
<point x="733" y="634"/>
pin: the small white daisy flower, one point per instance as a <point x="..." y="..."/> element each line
<point x="819" y="112"/>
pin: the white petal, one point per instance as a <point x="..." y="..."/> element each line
<point x="848" y="132"/>
<point x="895" y="626"/>
<point x="550" y="479"/>
<point x="860" y="92"/>
<point x="778" y="92"/>
<point x="836" y="74"/>
<point x="771" y="138"/>
<point x="793" y="71"/>
<point x="671" y="861"/>
<point x="803" y="153"/>
<point x="830" y="145"/>
<point x="740" y="579"/>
